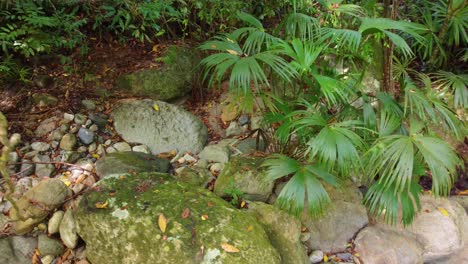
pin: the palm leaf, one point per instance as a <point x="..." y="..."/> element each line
<point x="454" y="83"/>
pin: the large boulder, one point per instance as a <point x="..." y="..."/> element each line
<point x="161" y="126"/>
<point x="130" y="162"/>
<point x="17" y="249"/>
<point x="332" y="232"/>
<point x="377" y="244"/>
<point x="165" y="83"/>
<point x="151" y="218"/>
<point x="283" y="230"/>
<point x="36" y="204"/>
<point x="246" y="175"/>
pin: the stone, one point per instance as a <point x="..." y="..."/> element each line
<point x="110" y="150"/>
<point x="99" y="119"/>
<point x="43" y="81"/>
<point x="44" y="99"/>
<point x="46" y="126"/>
<point x="202" y="163"/>
<point x="169" y="128"/>
<point x="88" y="123"/>
<point x="74" y="128"/>
<point x="68" y="117"/>
<point x="43" y="170"/>
<point x="331" y="232"/>
<point x="229" y="112"/>
<point x="168" y="82"/>
<point x="17" y="249"/>
<point x="108" y="142"/>
<point x="233" y="129"/>
<point x="54" y="222"/>
<point x="249" y="145"/>
<point x="284" y="231"/>
<point x="256" y="122"/>
<point x="82" y="149"/>
<point x="195" y="175"/>
<point x="83" y="166"/>
<point x="88" y="104"/>
<point x="80" y="119"/>
<point x="48" y="259"/>
<point x="55" y="135"/>
<point x="70" y="156"/>
<point x="243" y="119"/>
<point x="316" y="256"/>
<point x="126" y="233"/>
<point x="122" y="146"/>
<point x="13" y="159"/>
<point x="462" y="200"/>
<point x="68" y="142"/>
<point x="49" y="246"/>
<point x="40" y="146"/>
<point x="100" y="150"/>
<point x="94" y="128"/>
<point x="126" y="162"/>
<point x="26" y="168"/>
<point x="64" y="128"/>
<point x="67" y="230"/>
<point x="85" y="136"/>
<point x="47" y="195"/>
<point x="245" y="175"/>
<point x="215" y="153"/>
<point x="92" y="147"/>
<point x="141" y="148"/>
<point x="216" y="168"/>
<point x="377" y="244"/>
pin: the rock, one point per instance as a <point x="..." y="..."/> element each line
<point x="243" y="119"/>
<point x="49" y="246"/>
<point x="216" y="168"/>
<point x="54" y="222"/>
<point x="92" y="147"/>
<point x="85" y="136"/>
<point x="122" y="146"/>
<point x="125" y="162"/>
<point x="68" y="142"/>
<point x="462" y="200"/>
<point x="233" y="129"/>
<point x="141" y="148"/>
<point x="110" y="150"/>
<point x="283" y="230"/>
<point x="17" y="249"/>
<point x="80" y="119"/>
<point x="26" y="168"/>
<point x="202" y="163"/>
<point x="88" y="104"/>
<point x="67" y="230"/>
<point x="74" y="128"/>
<point x="82" y="149"/>
<point x="64" y="128"/>
<point x="99" y="119"/>
<point x="47" y="195"/>
<point x="56" y="135"/>
<point x="108" y="142"/>
<point x="44" y="99"/>
<point x="246" y="175"/>
<point x="316" y="256"/>
<point x="43" y="81"/>
<point x="68" y="117"/>
<point x="46" y="126"/>
<point x="127" y="234"/>
<point x="229" y="112"/>
<point x="48" y="259"/>
<point x="215" y="153"/>
<point x="70" y="156"/>
<point x="100" y="150"/>
<point x="166" y="83"/>
<point x="435" y="213"/>
<point x="83" y="166"/>
<point x="43" y="170"/>
<point x="249" y="145"/>
<point x="195" y="175"/>
<point x="345" y="256"/>
<point x="170" y="128"/>
<point x="377" y="244"/>
<point x="189" y="158"/>
<point x="93" y="128"/>
<point x="40" y="146"/>
<point x="256" y="122"/>
<point x="13" y="159"/>
<point x="332" y="232"/>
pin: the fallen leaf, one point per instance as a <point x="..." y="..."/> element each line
<point x="186" y="213"/>
<point x="36" y="259"/>
<point x="325" y="258"/>
<point x="173" y="152"/>
<point x="81" y="178"/>
<point x="242" y="204"/>
<point x="210" y="204"/>
<point x="95" y="155"/>
<point x="162" y="222"/>
<point x="156" y="107"/>
<point x="204" y="217"/>
<point x="250" y="228"/>
<point x="102" y="205"/>
<point x="443" y="211"/>
<point x="464" y="192"/>
<point x="229" y="248"/>
<point x="357" y="255"/>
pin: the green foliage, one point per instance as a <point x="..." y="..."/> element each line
<point x="234" y="193"/>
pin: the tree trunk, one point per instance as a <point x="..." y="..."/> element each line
<point x="390" y="11"/>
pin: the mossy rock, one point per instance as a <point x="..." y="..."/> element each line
<point x="166" y="83"/>
<point x="195" y="175"/>
<point x="246" y="175"/>
<point x="127" y="229"/>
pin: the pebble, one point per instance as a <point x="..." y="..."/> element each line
<point x="345" y="256"/>
<point x="55" y="135"/>
<point x="67" y="230"/>
<point x="216" y="168"/>
<point x="54" y="222"/>
<point x="31" y="154"/>
<point x="233" y="129"/>
<point x="189" y="158"/>
<point x="122" y="146"/>
<point x="110" y="150"/>
<point x="99" y="119"/>
<point x="48" y="259"/>
<point x="64" y="128"/>
<point x="68" y="142"/>
<point x="88" y="104"/>
<point x="49" y="246"/>
<point x="80" y="119"/>
<point x="82" y="149"/>
<point x="26" y="168"/>
<point x="40" y="146"/>
<point x="88" y="123"/>
<point x="316" y="256"/>
<point x="74" y="128"/>
<point x="92" y="147"/>
<point x="141" y="148"/>
<point x="94" y="128"/>
<point x="68" y="117"/>
<point x="100" y="150"/>
<point x="243" y="119"/>
<point x="108" y="142"/>
<point x="43" y="170"/>
<point x="85" y="136"/>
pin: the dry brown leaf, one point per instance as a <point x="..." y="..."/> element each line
<point x="102" y="205"/>
<point x="204" y="217"/>
<point x="186" y="213"/>
<point x="229" y="248"/>
<point x="162" y="222"/>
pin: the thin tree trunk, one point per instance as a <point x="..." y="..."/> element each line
<point x="390" y="11"/>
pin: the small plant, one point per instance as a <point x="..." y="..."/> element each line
<point x="234" y="193"/>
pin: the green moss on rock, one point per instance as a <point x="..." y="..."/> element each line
<point x="113" y="236"/>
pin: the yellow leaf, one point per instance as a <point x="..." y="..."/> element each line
<point x="96" y="156"/>
<point x="325" y="258"/>
<point x="102" y="205"/>
<point x="162" y="222"/>
<point x="156" y="107"/>
<point x="204" y="217"/>
<point x="357" y="255"/>
<point x="233" y="52"/>
<point x="229" y="248"/>
<point x="65" y="180"/>
<point x="242" y="204"/>
<point x="443" y="211"/>
<point x="250" y="228"/>
<point x="155" y="48"/>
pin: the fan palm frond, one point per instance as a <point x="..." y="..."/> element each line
<point x="299" y="25"/>
<point x="455" y="84"/>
